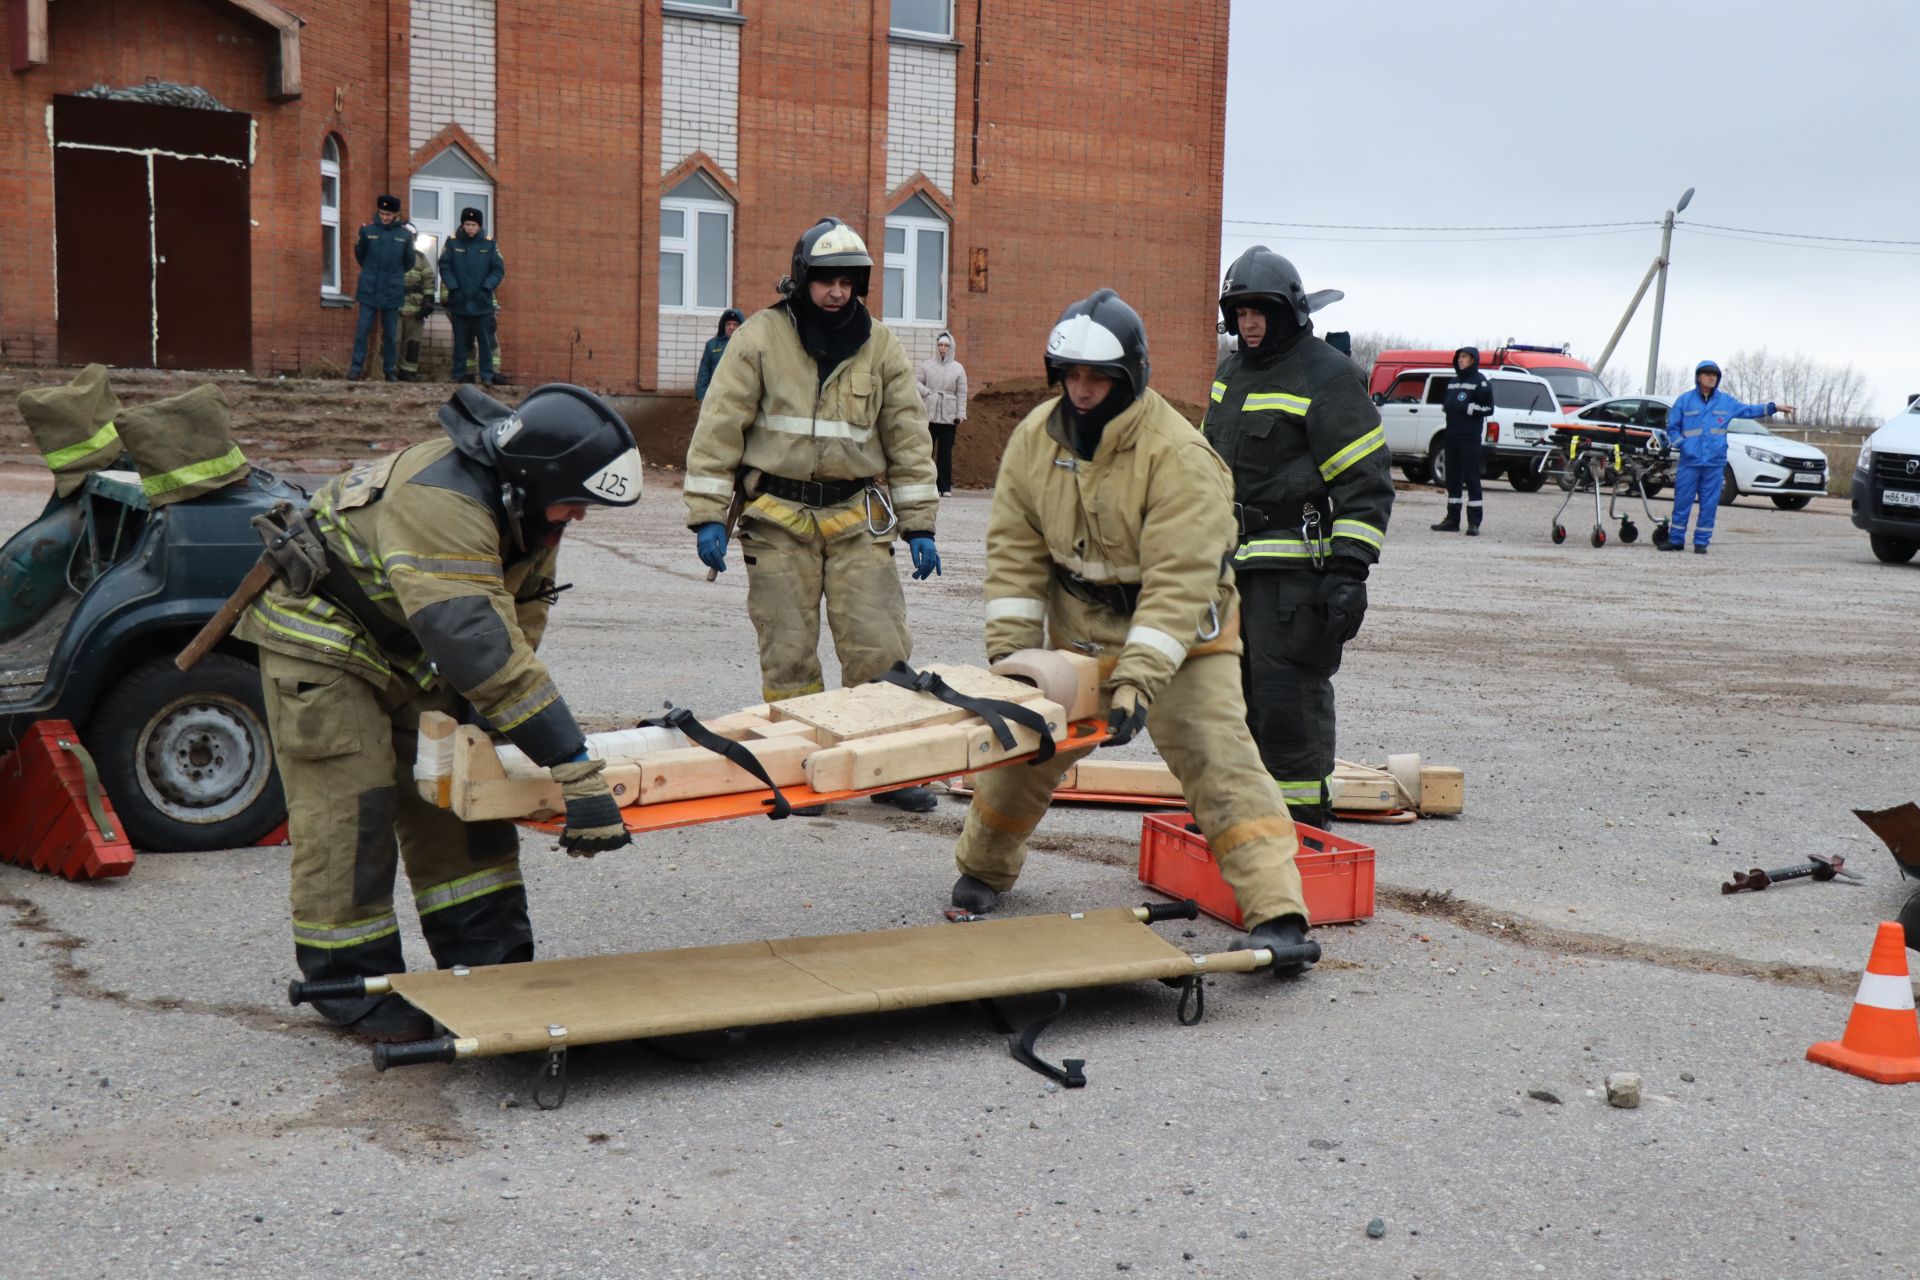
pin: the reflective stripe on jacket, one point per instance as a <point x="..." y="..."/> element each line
<point x="1151" y="508"/>
<point x="1699" y="427"/>
<point x="767" y="409"/>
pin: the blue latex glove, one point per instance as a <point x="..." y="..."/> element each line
<point x="712" y="544"/>
<point x="926" y="560"/>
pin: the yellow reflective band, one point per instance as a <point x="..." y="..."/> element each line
<point x="512" y="716"/>
<point x="1276" y="400"/>
<point x="1278" y="549"/>
<point x="74" y="452"/>
<point x="1309" y="789"/>
<point x="1306" y="803"/>
<point x="1219" y="392"/>
<point x="194" y="473"/>
<point x="1371" y="442"/>
<point x="466" y="889"/>
<point x="462" y="568"/>
<point x="351" y="934"/>
<point x="1360" y="531"/>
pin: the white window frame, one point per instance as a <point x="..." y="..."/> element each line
<point x="687" y="245"/>
<point x="697" y="7"/>
<point x="909" y="262"/>
<point x="916" y="31"/>
<point x="330" y="215"/>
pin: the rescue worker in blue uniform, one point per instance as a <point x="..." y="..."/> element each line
<point x="384" y="250"/>
<point x="1697" y="425"/>
<point x="1313" y="485"/>
<point x="730" y="320"/>
<point x="1468" y="403"/>
<point x="471" y="268"/>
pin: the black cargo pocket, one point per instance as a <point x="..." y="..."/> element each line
<point x="1312" y="636"/>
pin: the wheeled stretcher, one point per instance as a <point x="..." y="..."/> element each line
<point x="1614" y="457"/>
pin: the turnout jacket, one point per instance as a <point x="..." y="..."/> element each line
<point x="384" y="254"/>
<point x="1152" y="509"/>
<point x="768" y="409"/>
<point x="1469" y="400"/>
<point x="420" y="535"/>
<point x="419" y="285"/>
<point x="1309" y="460"/>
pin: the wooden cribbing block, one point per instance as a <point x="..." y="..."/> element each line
<point x="433" y="759"/>
<point x="983" y="745"/>
<point x="930" y="751"/>
<point x="870" y="709"/>
<point x="479" y="789"/>
<point x="740" y="726"/>
<point x="695" y="771"/>
<point x="1443" y="790"/>
<point x="1357" y="788"/>
<point x="1126" y="778"/>
<point x="788" y="729"/>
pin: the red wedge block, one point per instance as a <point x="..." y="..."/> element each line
<point x="50" y="824"/>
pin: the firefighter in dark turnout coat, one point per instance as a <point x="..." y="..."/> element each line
<point x="1313" y="487"/>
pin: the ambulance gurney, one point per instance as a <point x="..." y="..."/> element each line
<point x="676" y="770"/>
<point x="144" y="536"/>
<point x="1619" y="458"/>
<point x="548" y="1006"/>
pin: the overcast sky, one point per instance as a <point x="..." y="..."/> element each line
<point x="1786" y="115"/>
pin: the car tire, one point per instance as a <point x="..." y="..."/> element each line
<point x="1437" y="462"/>
<point x="185" y="756"/>
<point x="1525" y="479"/>
<point x="1890" y="550"/>
<point x="1415" y="471"/>
<point x="1728" y="489"/>
<point x="1791" y="501"/>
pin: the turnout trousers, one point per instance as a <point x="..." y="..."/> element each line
<point x="1199" y="724"/>
<point x="411" y="329"/>
<point x="790" y="573"/>
<point x="1289" y="704"/>
<point x="1464" y="467"/>
<point x="1691" y="481"/>
<point x="345" y="748"/>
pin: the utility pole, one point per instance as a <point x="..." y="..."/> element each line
<point x="1660" y="289"/>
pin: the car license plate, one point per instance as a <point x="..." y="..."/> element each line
<point x="1901" y="498"/>
<point x="1807" y="478"/>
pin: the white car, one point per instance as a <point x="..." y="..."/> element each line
<point x="1758" y="461"/>
<point x="1886" y="487"/>
<point x="1513" y="442"/>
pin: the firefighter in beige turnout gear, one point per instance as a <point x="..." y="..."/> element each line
<point x="1111" y="528"/>
<point x="813" y="407"/>
<point x="432" y="571"/>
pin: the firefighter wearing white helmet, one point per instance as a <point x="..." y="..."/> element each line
<point x="1111" y="529"/>
<point x="1313" y="487"/>
<point x="430" y="576"/>
<point x="813" y="412"/>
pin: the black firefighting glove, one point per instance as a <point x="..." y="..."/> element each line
<point x="593" y="818"/>
<point x="1127" y="716"/>
<point x="1343" y="594"/>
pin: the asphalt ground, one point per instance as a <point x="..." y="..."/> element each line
<point x="1633" y="727"/>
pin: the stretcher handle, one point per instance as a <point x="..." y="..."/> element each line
<point x="300" y="992"/>
<point x="1155" y="912"/>
<point x="413" y="1053"/>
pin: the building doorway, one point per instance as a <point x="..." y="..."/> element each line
<point x="153" y="239"/>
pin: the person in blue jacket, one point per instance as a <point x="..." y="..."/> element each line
<point x="1467" y="406"/>
<point x="471" y="268"/>
<point x="384" y="250"/>
<point x="1697" y="425"/>
<point x="730" y="320"/>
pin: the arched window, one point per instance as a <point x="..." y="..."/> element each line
<point x="696" y="246"/>
<point x="330" y="217"/>
<point x="915" y="288"/>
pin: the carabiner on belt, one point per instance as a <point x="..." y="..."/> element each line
<point x="1211" y="631"/>
<point x="886" y="505"/>
<point x="1310" y="534"/>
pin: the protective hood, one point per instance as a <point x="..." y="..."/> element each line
<point x="949" y="357"/>
<point x="1708" y="366"/>
<point x="1472" y="354"/>
<point x="720" y="329"/>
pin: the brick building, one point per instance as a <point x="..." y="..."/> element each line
<point x="644" y="163"/>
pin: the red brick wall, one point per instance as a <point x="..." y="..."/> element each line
<point x="126" y="42"/>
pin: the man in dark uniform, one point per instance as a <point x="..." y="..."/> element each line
<point x="471" y="268"/>
<point x="1468" y="404"/>
<point x="1311" y="477"/>
<point x="384" y="250"/>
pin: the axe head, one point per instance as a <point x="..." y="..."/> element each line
<point x="1899" y="829"/>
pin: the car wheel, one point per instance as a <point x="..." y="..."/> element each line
<point x="1437" y="462"/>
<point x="1525" y="479"/>
<point x="1415" y="471"/>
<point x="1791" y="501"/>
<point x="1728" y="489"/>
<point x="185" y="756"/>
<point x="1892" y="550"/>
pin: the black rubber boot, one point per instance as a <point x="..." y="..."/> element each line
<point x="1286" y="936"/>
<point x="973" y="895"/>
<point x="1699" y="550"/>
<point x="1473" y="528"/>
<point x="1450" y="525"/>
<point x="909" y="799"/>
<point x="1671" y="545"/>
<point x="393" y="1021"/>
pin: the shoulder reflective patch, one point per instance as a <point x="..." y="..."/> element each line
<point x="618" y="483"/>
<point x="1219" y="392"/>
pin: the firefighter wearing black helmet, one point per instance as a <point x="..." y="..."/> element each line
<point x="1111" y="528"/>
<point x="1313" y="488"/>
<point x="815" y="416"/>
<point x="439" y="565"/>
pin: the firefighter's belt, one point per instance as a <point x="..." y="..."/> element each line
<point x="1121" y="597"/>
<point x="681" y="719"/>
<point x="1254" y="518"/>
<point x="812" y="493"/>
<point x="995" y="711"/>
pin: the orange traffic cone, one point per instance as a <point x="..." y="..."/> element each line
<point x="1882" y="1040"/>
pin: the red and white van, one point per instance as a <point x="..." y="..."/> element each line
<point x="1574" y="384"/>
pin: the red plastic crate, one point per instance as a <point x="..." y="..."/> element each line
<point x="1337" y="879"/>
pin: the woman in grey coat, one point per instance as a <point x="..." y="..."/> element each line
<point x="943" y="390"/>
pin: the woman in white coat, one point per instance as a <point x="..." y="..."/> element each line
<point x="943" y="390"/>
